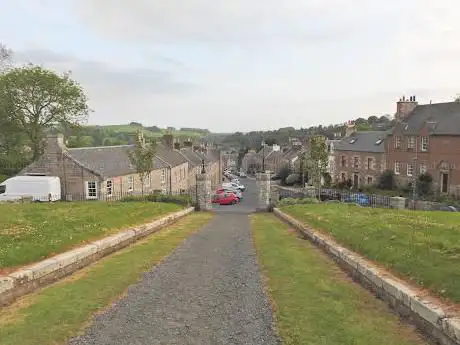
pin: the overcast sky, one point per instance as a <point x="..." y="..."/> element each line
<point x="242" y="65"/>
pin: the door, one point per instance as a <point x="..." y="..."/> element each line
<point x="356" y="180"/>
<point x="444" y="183"/>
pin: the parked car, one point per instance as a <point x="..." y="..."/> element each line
<point x="234" y="185"/>
<point x="225" y="199"/>
<point x="358" y="198"/>
<point x="39" y="188"/>
<point x="237" y="192"/>
<point x="243" y="174"/>
<point x="448" y="208"/>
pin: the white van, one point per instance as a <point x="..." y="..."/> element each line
<point x="39" y="188"/>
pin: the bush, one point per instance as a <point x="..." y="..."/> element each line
<point x="291" y="179"/>
<point x="182" y="200"/>
<point x="3" y="178"/>
<point x="424" y="184"/>
<point x="387" y="180"/>
<point x="283" y="174"/>
<point x="297" y="201"/>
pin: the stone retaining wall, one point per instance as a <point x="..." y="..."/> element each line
<point x="35" y="276"/>
<point x="433" y="319"/>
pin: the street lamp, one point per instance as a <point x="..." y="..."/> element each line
<point x="263" y="155"/>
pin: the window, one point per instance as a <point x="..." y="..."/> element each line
<point x="398" y="142"/>
<point x="109" y="187"/>
<point x="397" y="168"/>
<point x="91" y="190"/>
<point x="163" y="176"/>
<point x="369" y="163"/>
<point x="130" y="183"/>
<point x="423" y="168"/>
<point x="370" y="180"/>
<point x="343" y="161"/>
<point x="356" y="162"/>
<point x="411" y="142"/>
<point x="424" y="143"/>
<point x="410" y="169"/>
<point x="148" y="180"/>
<point x="2" y="189"/>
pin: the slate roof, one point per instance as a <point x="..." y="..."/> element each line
<point x="292" y="153"/>
<point x="173" y="157"/>
<point x="445" y="118"/>
<point x="108" y="161"/>
<point x="193" y="158"/>
<point x="369" y="141"/>
<point x="275" y="156"/>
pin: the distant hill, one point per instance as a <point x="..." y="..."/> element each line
<point x="107" y="135"/>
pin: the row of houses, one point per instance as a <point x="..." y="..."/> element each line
<point x="424" y="139"/>
<point x="104" y="172"/>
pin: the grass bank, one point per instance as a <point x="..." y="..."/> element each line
<point x="315" y="302"/>
<point x="32" y="232"/>
<point x="58" y="312"/>
<point x="423" y="247"/>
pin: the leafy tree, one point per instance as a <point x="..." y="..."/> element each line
<point x="386" y="180"/>
<point x="142" y="157"/>
<point x="424" y="184"/>
<point x="317" y="159"/>
<point x="283" y="174"/>
<point x="39" y="99"/>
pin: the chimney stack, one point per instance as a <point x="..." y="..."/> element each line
<point x="168" y="141"/>
<point x="405" y="107"/>
<point x="349" y="128"/>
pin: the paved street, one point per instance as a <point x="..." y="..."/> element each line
<point x="207" y="292"/>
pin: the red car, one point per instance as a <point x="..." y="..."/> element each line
<point x="225" y="199"/>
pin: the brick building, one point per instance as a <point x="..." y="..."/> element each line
<point x="359" y="157"/>
<point x="426" y="138"/>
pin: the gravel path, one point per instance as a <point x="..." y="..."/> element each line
<point x="207" y="292"/>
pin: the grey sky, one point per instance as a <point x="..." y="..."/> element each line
<point x="242" y="65"/>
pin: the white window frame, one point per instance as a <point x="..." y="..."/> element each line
<point x="370" y="163"/>
<point x="371" y="178"/>
<point x="397" y="168"/>
<point x="398" y="142"/>
<point x="87" y="190"/>
<point x="163" y="176"/>
<point x="130" y="182"/>
<point x="423" y="168"/>
<point x="410" y="169"/>
<point x="109" y="187"/>
<point x="424" y="143"/>
<point x="411" y="142"/>
<point x="356" y="162"/>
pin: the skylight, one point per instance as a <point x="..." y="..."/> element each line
<point x="378" y="142"/>
<point x="352" y="141"/>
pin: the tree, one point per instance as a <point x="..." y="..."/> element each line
<point x="142" y="156"/>
<point x="317" y="159"/>
<point x="386" y="180"/>
<point x="424" y="184"/>
<point x="39" y="99"/>
<point x="5" y="57"/>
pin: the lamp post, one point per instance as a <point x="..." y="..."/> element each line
<point x="263" y="155"/>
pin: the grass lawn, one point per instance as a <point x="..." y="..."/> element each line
<point x="60" y="311"/>
<point x="315" y="302"/>
<point x="421" y="246"/>
<point x="32" y="232"/>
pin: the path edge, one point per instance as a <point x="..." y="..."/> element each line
<point x="43" y="273"/>
<point x="431" y="319"/>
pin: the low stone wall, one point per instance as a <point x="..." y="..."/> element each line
<point x="33" y="277"/>
<point x="434" y="320"/>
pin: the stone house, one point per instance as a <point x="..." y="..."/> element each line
<point x="252" y="162"/>
<point x="426" y="139"/>
<point x="106" y="172"/>
<point x="359" y="157"/>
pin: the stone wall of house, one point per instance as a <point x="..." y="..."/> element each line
<point x="179" y="178"/>
<point x="368" y="174"/>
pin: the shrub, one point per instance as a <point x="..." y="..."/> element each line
<point x="182" y="200"/>
<point x="424" y="184"/>
<point x="291" y="179"/>
<point x="3" y="178"/>
<point x="283" y="174"/>
<point x="297" y="201"/>
<point x="386" y="180"/>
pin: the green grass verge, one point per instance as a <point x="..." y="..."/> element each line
<point x="423" y="247"/>
<point x="315" y="302"/>
<point x="60" y="311"/>
<point x="32" y="232"/>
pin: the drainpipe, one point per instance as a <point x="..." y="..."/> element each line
<point x="170" y="180"/>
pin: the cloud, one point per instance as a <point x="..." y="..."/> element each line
<point x="237" y="21"/>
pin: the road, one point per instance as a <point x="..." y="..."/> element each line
<point x="208" y="291"/>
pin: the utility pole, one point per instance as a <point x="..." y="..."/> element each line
<point x="263" y="155"/>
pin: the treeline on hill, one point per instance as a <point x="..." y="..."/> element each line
<point x="252" y="140"/>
